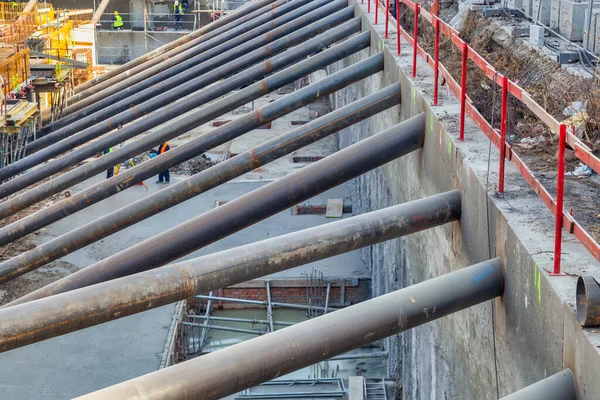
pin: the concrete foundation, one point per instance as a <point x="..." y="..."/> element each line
<point x="495" y="348"/>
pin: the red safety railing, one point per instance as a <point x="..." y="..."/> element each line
<point x="583" y="153"/>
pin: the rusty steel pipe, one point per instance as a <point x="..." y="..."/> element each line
<point x="200" y="182"/>
<point x="168" y="92"/>
<point x="193" y="120"/>
<point x="134" y="94"/>
<point x="249" y="209"/>
<point x="93" y="305"/>
<point x="560" y="386"/>
<point x="151" y="58"/>
<point x="184" y="60"/>
<point x="225" y="372"/>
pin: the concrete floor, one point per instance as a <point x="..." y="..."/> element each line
<point x="100" y="356"/>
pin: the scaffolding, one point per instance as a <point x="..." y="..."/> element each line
<point x="14" y="70"/>
<point x="15" y="24"/>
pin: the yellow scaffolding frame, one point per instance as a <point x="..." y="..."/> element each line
<point x="14" y="70"/>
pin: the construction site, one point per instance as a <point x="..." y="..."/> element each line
<point x="300" y="199"/>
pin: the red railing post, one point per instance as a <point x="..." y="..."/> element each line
<point x="369" y="6"/>
<point x="436" y="67"/>
<point x="560" y="193"/>
<point x="503" y="117"/>
<point x="376" y="12"/>
<point x="387" y="17"/>
<point x="415" y="40"/>
<point x="398" y="25"/>
<point x="463" y="91"/>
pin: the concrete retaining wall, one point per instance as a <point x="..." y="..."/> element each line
<point x="494" y="348"/>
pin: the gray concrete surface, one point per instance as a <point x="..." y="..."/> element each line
<point x="100" y="356"/>
<point x="494" y="348"/>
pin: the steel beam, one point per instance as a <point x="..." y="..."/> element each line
<point x="560" y="386"/>
<point x="249" y="209"/>
<point x="201" y="182"/>
<point x="57" y="315"/>
<point x="184" y="60"/>
<point x="181" y="75"/>
<point x="263" y="303"/>
<point x="222" y="373"/>
<point x="195" y="119"/>
<point x="170" y="49"/>
<point x="167" y="93"/>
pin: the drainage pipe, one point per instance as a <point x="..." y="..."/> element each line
<point x="107" y="301"/>
<point x="199" y="183"/>
<point x="167" y="93"/>
<point x="149" y="59"/>
<point x="560" y="386"/>
<point x="263" y="303"/>
<point x="249" y="209"/>
<point x="243" y="320"/>
<point x="188" y="58"/>
<point x="180" y="75"/>
<point x="204" y="115"/>
<point x="222" y="373"/>
<point x="224" y="328"/>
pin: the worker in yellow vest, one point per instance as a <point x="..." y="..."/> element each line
<point x="111" y="170"/>
<point x="178" y="14"/>
<point x="118" y="22"/>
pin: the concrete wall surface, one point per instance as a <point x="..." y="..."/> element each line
<point x="495" y="348"/>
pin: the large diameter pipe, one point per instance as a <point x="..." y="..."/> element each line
<point x="190" y="120"/>
<point x="560" y="386"/>
<point x="82" y="308"/>
<point x="224" y="372"/>
<point x="188" y="58"/>
<point x="200" y="182"/>
<point x="249" y="209"/>
<point x="99" y="11"/>
<point x="151" y="58"/>
<point x="207" y="50"/>
<point x="167" y="93"/>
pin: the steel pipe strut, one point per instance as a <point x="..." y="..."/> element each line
<point x="201" y="182"/>
<point x="206" y="51"/>
<point x="167" y="93"/>
<point x="190" y="57"/>
<point x="560" y="386"/>
<point x="195" y="119"/>
<point x="249" y="209"/>
<point x="221" y="373"/>
<point x="57" y="315"/>
<point x="174" y="47"/>
<point x="158" y="84"/>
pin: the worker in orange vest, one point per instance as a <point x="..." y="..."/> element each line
<point x="163" y="177"/>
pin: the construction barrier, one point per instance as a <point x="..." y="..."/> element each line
<point x="583" y="153"/>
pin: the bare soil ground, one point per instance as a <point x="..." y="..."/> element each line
<point x="552" y="87"/>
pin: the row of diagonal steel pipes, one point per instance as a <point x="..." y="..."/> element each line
<point x="260" y="48"/>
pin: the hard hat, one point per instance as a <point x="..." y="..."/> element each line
<point x="176" y="3"/>
<point x="116" y="13"/>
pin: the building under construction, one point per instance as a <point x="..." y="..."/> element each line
<point x="288" y="199"/>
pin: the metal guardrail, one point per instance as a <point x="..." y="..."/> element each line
<point x="583" y="153"/>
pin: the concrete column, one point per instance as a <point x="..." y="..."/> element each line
<point x="356" y="388"/>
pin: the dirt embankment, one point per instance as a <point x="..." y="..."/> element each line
<point x="553" y="88"/>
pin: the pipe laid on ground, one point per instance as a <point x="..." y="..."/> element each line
<point x="227" y="371"/>
<point x="167" y="93"/>
<point x="249" y="209"/>
<point x="93" y="305"/>
<point x="161" y="73"/>
<point x="265" y="303"/>
<point x="200" y="182"/>
<point x="182" y="61"/>
<point x="192" y="120"/>
<point x="560" y="386"/>
<point x="169" y="49"/>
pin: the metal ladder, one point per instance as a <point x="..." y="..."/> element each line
<point x="375" y="389"/>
